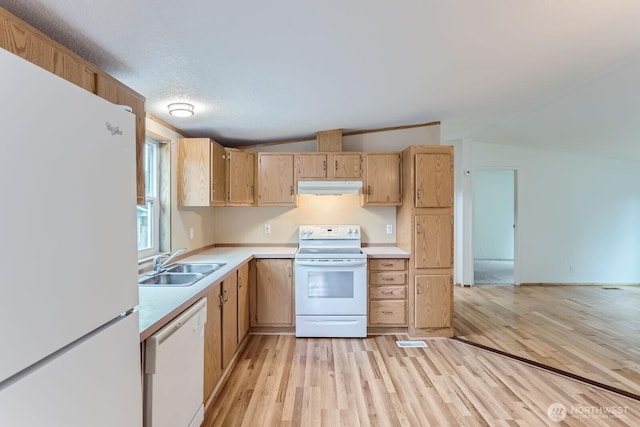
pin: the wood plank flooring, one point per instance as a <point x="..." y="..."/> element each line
<point x="590" y="331"/>
<point x="283" y="381"/>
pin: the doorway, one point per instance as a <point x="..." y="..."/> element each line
<point x="494" y="226"/>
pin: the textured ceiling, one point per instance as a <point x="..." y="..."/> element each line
<point x="560" y="74"/>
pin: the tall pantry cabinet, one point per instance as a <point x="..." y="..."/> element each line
<point x="425" y="230"/>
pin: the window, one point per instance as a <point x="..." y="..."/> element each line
<point x="148" y="217"/>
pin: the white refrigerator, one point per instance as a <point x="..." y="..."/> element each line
<point x="69" y="342"/>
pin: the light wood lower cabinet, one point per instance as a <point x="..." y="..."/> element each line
<point x="387" y="292"/>
<point x="229" y="318"/>
<point x="272" y="296"/>
<point x="227" y="325"/>
<point x="434" y="301"/>
<point x="243" y="302"/>
<point x="212" y="342"/>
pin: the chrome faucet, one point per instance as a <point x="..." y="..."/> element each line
<point x="164" y="259"/>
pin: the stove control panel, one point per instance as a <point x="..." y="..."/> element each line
<point x="329" y="232"/>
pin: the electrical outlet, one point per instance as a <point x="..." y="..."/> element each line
<point x="267" y="229"/>
<point x="389" y="228"/>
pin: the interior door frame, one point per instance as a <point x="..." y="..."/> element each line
<point x="515" y="221"/>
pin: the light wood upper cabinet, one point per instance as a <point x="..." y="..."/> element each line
<point x="272" y="298"/>
<point x="276" y="180"/>
<point x="311" y="166"/>
<point x="433" y="242"/>
<point x="329" y="166"/>
<point x="201" y="171"/>
<point x="217" y="174"/>
<point x="383" y="179"/>
<point x="240" y="177"/>
<point x="434" y="180"/>
<point x="345" y="166"/>
<point x="243" y="302"/>
<point x="433" y="301"/>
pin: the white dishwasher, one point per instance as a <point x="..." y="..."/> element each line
<point x="174" y="365"/>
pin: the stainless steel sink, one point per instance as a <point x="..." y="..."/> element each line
<point x="179" y="274"/>
<point x="194" y="267"/>
<point x="171" y="279"/>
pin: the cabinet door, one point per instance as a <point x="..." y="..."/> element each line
<point x="212" y="342"/>
<point x="274" y="292"/>
<point x="345" y="166"/>
<point x="275" y="180"/>
<point x="433" y="301"/>
<point x="240" y="178"/>
<point x="193" y="171"/>
<point x="217" y="173"/>
<point x="434" y="180"/>
<point x="433" y="240"/>
<point x="382" y="179"/>
<point x="312" y="166"/>
<point x="229" y="318"/>
<point x="243" y="302"/>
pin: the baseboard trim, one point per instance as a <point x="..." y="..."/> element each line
<point x="552" y="369"/>
<point x="579" y="284"/>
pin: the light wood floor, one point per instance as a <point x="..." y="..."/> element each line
<point x="589" y="331"/>
<point x="281" y="380"/>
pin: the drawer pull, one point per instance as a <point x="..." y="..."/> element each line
<point x="387" y="312"/>
<point x="387" y="279"/>
<point x="387" y="292"/>
<point x="387" y="264"/>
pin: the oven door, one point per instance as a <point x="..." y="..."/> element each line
<point x="331" y="287"/>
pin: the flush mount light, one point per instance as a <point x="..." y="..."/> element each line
<point x="180" y="109"/>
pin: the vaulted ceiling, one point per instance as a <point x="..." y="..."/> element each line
<point x="556" y="74"/>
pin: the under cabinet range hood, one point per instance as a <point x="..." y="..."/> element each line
<point x="329" y="187"/>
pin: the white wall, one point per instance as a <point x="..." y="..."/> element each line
<point x="245" y="225"/>
<point x="493" y="209"/>
<point x="578" y="216"/>
<point x="202" y="220"/>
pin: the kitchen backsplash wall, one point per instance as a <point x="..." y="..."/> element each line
<point x="246" y="225"/>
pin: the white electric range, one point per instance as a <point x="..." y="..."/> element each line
<point x="330" y="282"/>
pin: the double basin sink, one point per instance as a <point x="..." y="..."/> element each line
<point x="179" y="274"/>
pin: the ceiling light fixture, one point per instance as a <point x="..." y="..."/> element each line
<point x="180" y="109"/>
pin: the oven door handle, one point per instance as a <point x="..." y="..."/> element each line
<point x="332" y="263"/>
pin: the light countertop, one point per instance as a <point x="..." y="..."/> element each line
<point x="159" y="304"/>
<point x="384" y="252"/>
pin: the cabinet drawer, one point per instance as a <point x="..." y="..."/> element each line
<point x="388" y="292"/>
<point x="386" y="264"/>
<point x="387" y="278"/>
<point x="387" y="313"/>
